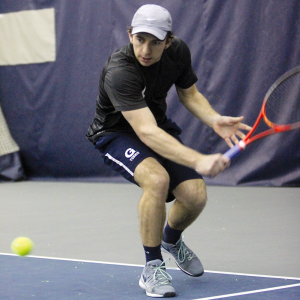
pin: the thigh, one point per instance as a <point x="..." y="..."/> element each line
<point x="150" y="174"/>
<point x="179" y="173"/>
<point x="123" y="153"/>
<point x="191" y="193"/>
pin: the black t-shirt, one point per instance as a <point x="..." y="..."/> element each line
<point x="126" y="85"/>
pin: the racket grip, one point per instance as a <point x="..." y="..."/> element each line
<point x="232" y="152"/>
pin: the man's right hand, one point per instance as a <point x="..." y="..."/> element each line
<point x="212" y="165"/>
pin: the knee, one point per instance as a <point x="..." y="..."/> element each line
<point x="152" y="178"/>
<point x="201" y="199"/>
<point x="196" y="204"/>
<point x="197" y="201"/>
<point x="156" y="188"/>
<point x="194" y="195"/>
<point x="158" y="182"/>
<point x="201" y="193"/>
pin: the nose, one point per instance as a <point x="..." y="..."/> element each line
<point x="146" y="49"/>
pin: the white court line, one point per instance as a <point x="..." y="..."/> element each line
<point x="172" y="268"/>
<point x="250" y="292"/>
<point x="78" y="260"/>
<point x="254" y="275"/>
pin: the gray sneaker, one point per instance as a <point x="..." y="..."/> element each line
<point x="184" y="257"/>
<point x="156" y="281"/>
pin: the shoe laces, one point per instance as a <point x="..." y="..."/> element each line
<point x="160" y="276"/>
<point x="184" y="253"/>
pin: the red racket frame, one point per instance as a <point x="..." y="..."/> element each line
<point x="275" y="128"/>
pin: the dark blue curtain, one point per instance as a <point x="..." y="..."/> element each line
<point x="238" y="47"/>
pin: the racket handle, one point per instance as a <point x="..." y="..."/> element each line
<point x="232" y="152"/>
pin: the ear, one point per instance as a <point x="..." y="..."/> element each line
<point x="168" y="43"/>
<point x="130" y="37"/>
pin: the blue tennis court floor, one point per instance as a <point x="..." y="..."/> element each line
<point x="34" y="277"/>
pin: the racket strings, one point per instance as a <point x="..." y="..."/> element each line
<point x="283" y="103"/>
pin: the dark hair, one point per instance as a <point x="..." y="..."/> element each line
<point x="168" y="36"/>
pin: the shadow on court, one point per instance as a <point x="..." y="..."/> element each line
<point x="47" y="278"/>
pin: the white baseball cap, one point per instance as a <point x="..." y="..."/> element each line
<point x="152" y="19"/>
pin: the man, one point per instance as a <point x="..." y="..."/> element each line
<point x="136" y="139"/>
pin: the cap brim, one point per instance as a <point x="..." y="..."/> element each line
<point x="159" y="33"/>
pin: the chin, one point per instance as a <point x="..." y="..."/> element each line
<point x="145" y="64"/>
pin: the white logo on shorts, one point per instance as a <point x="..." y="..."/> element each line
<point x="131" y="153"/>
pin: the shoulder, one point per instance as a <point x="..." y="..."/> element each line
<point x="123" y="76"/>
<point x="123" y="57"/>
<point x="178" y="47"/>
<point x="121" y="66"/>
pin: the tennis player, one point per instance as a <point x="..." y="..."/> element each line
<point x="137" y="139"/>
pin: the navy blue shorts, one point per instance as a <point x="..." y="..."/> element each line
<point x="124" y="151"/>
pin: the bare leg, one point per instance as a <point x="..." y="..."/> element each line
<point x="190" y="201"/>
<point x="154" y="180"/>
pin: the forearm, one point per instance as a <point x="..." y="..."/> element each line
<point x="202" y="110"/>
<point x="198" y="105"/>
<point x="145" y="126"/>
<point x="225" y="127"/>
<point x="167" y="146"/>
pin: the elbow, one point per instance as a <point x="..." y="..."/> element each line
<point x="143" y="135"/>
<point x="146" y="134"/>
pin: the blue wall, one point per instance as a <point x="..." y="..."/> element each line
<point x="239" y="48"/>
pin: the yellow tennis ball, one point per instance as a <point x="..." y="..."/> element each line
<point x="22" y="246"/>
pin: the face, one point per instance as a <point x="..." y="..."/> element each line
<point x="147" y="48"/>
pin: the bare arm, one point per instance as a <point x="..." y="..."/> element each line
<point x="227" y="127"/>
<point x="197" y="104"/>
<point x="144" y="124"/>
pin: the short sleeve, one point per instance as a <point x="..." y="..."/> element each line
<point x="125" y="88"/>
<point x="188" y="77"/>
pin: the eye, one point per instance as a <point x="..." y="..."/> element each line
<point x="157" y="43"/>
<point x="139" y="39"/>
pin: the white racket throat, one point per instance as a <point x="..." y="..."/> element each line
<point x="242" y="145"/>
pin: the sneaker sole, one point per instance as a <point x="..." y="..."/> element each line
<point x="166" y="295"/>
<point x="184" y="271"/>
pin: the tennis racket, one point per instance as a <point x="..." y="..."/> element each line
<point x="280" y="110"/>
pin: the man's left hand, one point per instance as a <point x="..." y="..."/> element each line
<point x="229" y="128"/>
